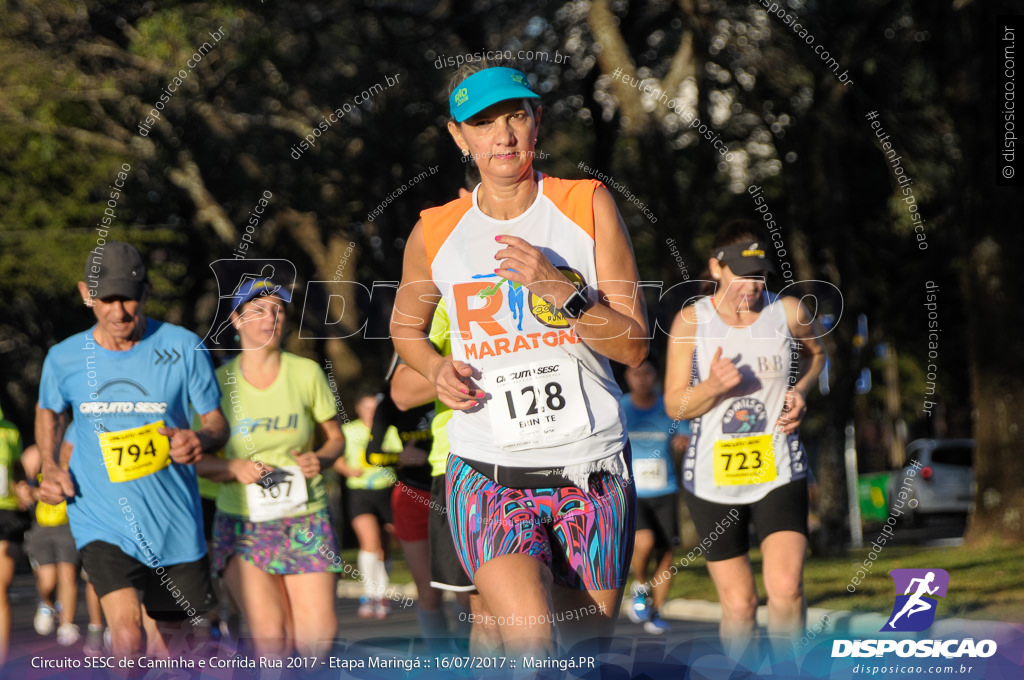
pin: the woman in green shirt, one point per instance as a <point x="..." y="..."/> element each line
<point x="273" y="538"/>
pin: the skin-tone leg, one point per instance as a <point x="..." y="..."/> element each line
<point x="517" y="591"/>
<point x="642" y="549"/>
<point x="92" y="603"/>
<point x="124" y="616"/>
<point x="417" y="557"/>
<point x="311" y="609"/>
<point x="664" y="585"/>
<point x="156" y="644"/>
<point x="67" y="591"/>
<point x="46" y="583"/>
<point x="484" y="636"/>
<point x="368" y="531"/>
<point x="784" y="553"/>
<point x="264" y="601"/>
<point x="6" y="576"/>
<point x="737" y="592"/>
<point x="583" y="625"/>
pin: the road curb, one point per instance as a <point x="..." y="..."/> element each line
<point x="818" y="618"/>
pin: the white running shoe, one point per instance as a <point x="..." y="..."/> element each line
<point x="68" y="634"/>
<point x="45" y="620"/>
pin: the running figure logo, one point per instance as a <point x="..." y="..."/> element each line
<point x="914" y="610"/>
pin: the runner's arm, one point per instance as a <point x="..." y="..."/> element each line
<point x="683" y="400"/>
<point x="812" y="360"/>
<point x="812" y="352"/>
<point x="50" y="427"/>
<point x="409" y="389"/>
<point x="188" y="446"/>
<point x="314" y="462"/>
<point x="615" y="323"/>
<point x="410" y="325"/>
<point x="616" y="326"/>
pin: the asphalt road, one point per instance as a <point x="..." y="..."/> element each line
<point x="397" y="636"/>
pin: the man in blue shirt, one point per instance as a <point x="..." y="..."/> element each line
<point x="657" y="443"/>
<point x="132" y="384"/>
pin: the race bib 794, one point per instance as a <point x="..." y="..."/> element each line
<point x="135" y="453"/>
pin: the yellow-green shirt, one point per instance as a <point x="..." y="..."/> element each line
<point x="268" y="424"/>
<point x="10" y="453"/>
<point x="442" y="340"/>
<point x="357" y="437"/>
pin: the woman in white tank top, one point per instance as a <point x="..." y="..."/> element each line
<point x="539" y="282"/>
<point x="739" y="364"/>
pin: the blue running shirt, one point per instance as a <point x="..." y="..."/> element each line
<point x="155" y="518"/>
<point x="650" y="438"/>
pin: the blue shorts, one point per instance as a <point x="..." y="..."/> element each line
<point x="585" y="538"/>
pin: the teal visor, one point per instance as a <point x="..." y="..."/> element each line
<point x="488" y="87"/>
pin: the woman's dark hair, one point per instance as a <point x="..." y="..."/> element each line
<point x="731" y="233"/>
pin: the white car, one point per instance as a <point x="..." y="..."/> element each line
<point x="944" y="483"/>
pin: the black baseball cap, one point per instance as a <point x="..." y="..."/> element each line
<point x="116" y="270"/>
<point x="745" y="258"/>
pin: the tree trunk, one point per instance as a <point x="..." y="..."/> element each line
<point x="997" y="388"/>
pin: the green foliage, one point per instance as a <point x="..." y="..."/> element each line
<point x="77" y="78"/>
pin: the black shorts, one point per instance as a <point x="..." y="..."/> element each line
<point x="446" y="572"/>
<point x="209" y="506"/>
<point x="659" y="514"/>
<point x="370" y="502"/>
<point x="13" y="525"/>
<point x="50" y="545"/>
<point x="111" y="569"/>
<point x="724" y="530"/>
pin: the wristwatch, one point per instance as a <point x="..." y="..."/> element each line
<point x="577" y="303"/>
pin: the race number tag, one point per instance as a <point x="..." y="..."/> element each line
<point x="744" y="460"/>
<point x="5" y="485"/>
<point x="286" y="498"/>
<point x="537" y="404"/>
<point x="131" y="454"/>
<point x="651" y="473"/>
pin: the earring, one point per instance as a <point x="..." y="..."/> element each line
<point x="465" y="152"/>
<point x="237" y="338"/>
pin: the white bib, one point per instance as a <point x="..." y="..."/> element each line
<point x="285" y="499"/>
<point x="537" y="403"/>
<point x="651" y="474"/>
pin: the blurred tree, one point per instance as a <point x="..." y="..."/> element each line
<point x="77" y="80"/>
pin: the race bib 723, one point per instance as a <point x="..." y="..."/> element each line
<point x="744" y="460"/>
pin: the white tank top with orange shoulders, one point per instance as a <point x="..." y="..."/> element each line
<point x="551" y="400"/>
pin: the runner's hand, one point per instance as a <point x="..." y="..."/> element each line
<point x="246" y="471"/>
<point x="525" y="264"/>
<point x="186" y="448"/>
<point x="308" y="462"/>
<point x="455" y="387"/>
<point x="793" y="411"/>
<point x="723" y="374"/>
<point x="57" y="485"/>
<point x="24" y="493"/>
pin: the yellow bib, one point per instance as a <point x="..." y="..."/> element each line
<point x="744" y="460"/>
<point x="131" y="454"/>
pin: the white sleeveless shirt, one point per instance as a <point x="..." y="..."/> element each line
<point x="551" y="400"/>
<point x="735" y="455"/>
